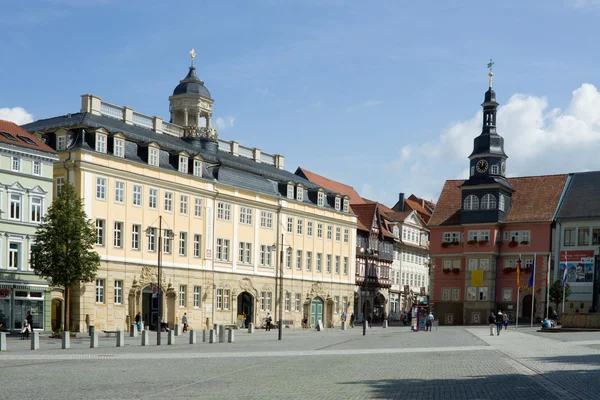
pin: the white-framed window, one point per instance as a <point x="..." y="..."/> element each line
<point x="288" y="259"/>
<point x="168" y="201"/>
<point x="119" y="192"/>
<point x="183" y="244"/>
<point x="118" y="235"/>
<point x="265" y="255"/>
<point x="472" y="170"/>
<point x="299" y="226"/>
<point x="344" y="303"/>
<point x="479" y="235"/>
<point x="14" y="255"/>
<point x="60" y="183"/>
<point x="222" y="249"/>
<point x="153" y="157"/>
<point x="197" y="168"/>
<point x="101" y="188"/>
<point x="266" y="219"/>
<point x="166" y="247"/>
<point x="153" y="198"/>
<point x="288" y="301"/>
<point x="501" y="205"/>
<point x="451" y="237"/>
<point x="198" y="207"/>
<point x="265" y="301"/>
<point x="299" y="193"/>
<point x="456" y="294"/>
<point x="119" y="148"/>
<point x="137" y="195"/>
<point x="182" y="295"/>
<point x="477" y="293"/>
<point x="100" y="225"/>
<point x="471" y="202"/>
<point x="16" y="164"/>
<point x="338" y="233"/>
<point x="488" y="202"/>
<point x="319" y="231"/>
<point x="226" y="297"/>
<point x="319" y="267"/>
<point x="196" y="296"/>
<point x="118" y="295"/>
<point x="346" y="205"/>
<point x="197" y="245"/>
<point x="337" y="265"/>
<point x="338" y="203"/>
<point x="445" y="294"/>
<point x="152" y="239"/>
<point x="299" y="260"/>
<point x="183" y="164"/>
<point x="100" y="143"/>
<point x="245" y="250"/>
<point x="297" y="302"/>
<point x="336" y="304"/>
<point x="329" y="232"/>
<point x="246" y="215"/>
<point x="135" y="236"/>
<point x="328" y="264"/>
<point x="290" y="191"/>
<point x="36" y="168"/>
<point x="61" y="142"/>
<point x="224" y="211"/>
<point x="309" y="228"/>
<point x="345" y="265"/>
<point x="219" y="299"/>
<point x="495" y="169"/>
<point x="346" y="235"/>
<point x="183" y="204"/>
<point x="309" y="260"/>
<point x="36" y="209"/>
<point x="321" y="199"/>
<point x="99" y="290"/>
<point x="290" y="224"/>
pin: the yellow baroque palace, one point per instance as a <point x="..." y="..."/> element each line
<point x="222" y="220"/>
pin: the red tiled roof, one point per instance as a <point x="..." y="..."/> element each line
<point x="16" y="131"/>
<point x="331" y="185"/>
<point x="365" y="214"/>
<point x="535" y="200"/>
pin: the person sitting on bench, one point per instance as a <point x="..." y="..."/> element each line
<point x="25" y="330"/>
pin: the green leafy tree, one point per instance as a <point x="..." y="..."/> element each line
<point x="556" y="292"/>
<point x="65" y="240"/>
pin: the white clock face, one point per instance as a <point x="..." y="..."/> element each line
<point x="503" y="168"/>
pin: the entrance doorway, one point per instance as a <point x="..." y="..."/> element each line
<point x="316" y="311"/>
<point x="245" y="305"/>
<point x="378" y="307"/>
<point x="56" y="314"/>
<point x="150" y="306"/>
<point x="527" y="306"/>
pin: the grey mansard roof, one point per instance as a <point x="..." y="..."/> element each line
<point x="236" y="171"/>
<point x="582" y="199"/>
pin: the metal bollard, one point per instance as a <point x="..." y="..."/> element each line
<point x="216" y="329"/>
<point x="145" y="338"/>
<point x="211" y="336"/>
<point x="192" y="337"/>
<point x="176" y="329"/>
<point x="2" y="341"/>
<point x="133" y="332"/>
<point x="171" y="337"/>
<point x="221" y="334"/>
<point x="94" y="340"/>
<point x="343" y="325"/>
<point x="120" y="338"/>
<point x="35" y="341"/>
<point x="230" y="336"/>
<point x="385" y="323"/>
<point x="204" y="336"/>
<point x="66" y="340"/>
<point x="250" y="327"/>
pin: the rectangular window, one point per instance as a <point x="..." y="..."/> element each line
<point x="584" y="236"/>
<point x="183" y="164"/>
<point x="60" y="183"/>
<point x="346" y="205"/>
<point x="309" y="260"/>
<point x="118" y="235"/>
<point x="119" y="148"/>
<point x="345" y="265"/>
<point x="321" y="199"/>
<point x="16" y="164"/>
<point x="100" y="232"/>
<point x="182" y="295"/>
<point x="36" y="168"/>
<point x="99" y="290"/>
<point x="219" y="299"/>
<point x="455" y="294"/>
<point x="265" y="255"/>
<point x="290" y="225"/>
<point x="288" y="259"/>
<point x="338" y="203"/>
<point x="451" y="237"/>
<point x="197" y="168"/>
<point x="196" y="296"/>
<point x="266" y="219"/>
<point x="328" y="265"/>
<point x="100" y="143"/>
<point x="223" y="249"/>
<point x="299" y="260"/>
<point x="137" y="195"/>
<point x="61" y="142"/>
<point x="288" y="301"/>
<point x="338" y="233"/>
<point x="336" y="304"/>
<point x="153" y="157"/>
<point x="344" y="303"/>
<point x="337" y="265"/>
<point x="346" y="235"/>
<point x="297" y="302"/>
<point x="166" y="247"/>
<point x="319" y="262"/>
<point x="245" y="256"/>
<point x="198" y="207"/>
<point x="36" y="209"/>
<point x="268" y="301"/>
<point x="224" y="211"/>
<point x="135" y="236"/>
<point x="569" y="237"/>
<point x="226" y="295"/>
<point x="118" y="292"/>
<point x="245" y="215"/>
<point x="300" y="193"/>
<point x="153" y="198"/>
<point x="309" y="228"/>
<point x="119" y="192"/>
<point x="299" y="226"/>
<point x="183" y="244"/>
<point x="290" y="191"/>
<point x="183" y="204"/>
<point x="101" y="188"/>
<point x="14" y="256"/>
<point x="595" y="236"/>
<point x="151" y="239"/>
<point x="329" y="232"/>
<point x="197" y="245"/>
<point x="169" y="201"/>
<point x="445" y="294"/>
<point x="319" y="231"/>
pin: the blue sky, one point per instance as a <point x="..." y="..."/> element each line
<point x="380" y="95"/>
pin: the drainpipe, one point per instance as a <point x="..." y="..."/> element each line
<point x="214" y="254"/>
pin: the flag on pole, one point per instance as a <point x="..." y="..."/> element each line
<point x="532" y="276"/>
<point x="519" y="271"/>
<point x="564" y="279"/>
<point x="548" y="272"/>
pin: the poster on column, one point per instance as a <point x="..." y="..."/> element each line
<point x="580" y="273"/>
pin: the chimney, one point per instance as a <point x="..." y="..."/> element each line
<point x="400" y="202"/>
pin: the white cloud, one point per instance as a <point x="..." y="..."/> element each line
<point x="18" y="115"/>
<point x="223" y="123"/>
<point x="538" y="140"/>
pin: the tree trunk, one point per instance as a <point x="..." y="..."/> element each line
<point x="67" y="310"/>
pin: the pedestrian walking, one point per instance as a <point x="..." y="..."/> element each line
<point x="268" y="322"/>
<point x="505" y="320"/>
<point x="492" y="322"/>
<point x="429" y="323"/>
<point x="499" y="322"/>
<point x="138" y="322"/>
<point x="369" y="319"/>
<point x="343" y="317"/>
<point x="184" y="321"/>
<point x="305" y="322"/>
<point x="352" y="319"/>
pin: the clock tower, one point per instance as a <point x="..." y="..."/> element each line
<point x="486" y="195"/>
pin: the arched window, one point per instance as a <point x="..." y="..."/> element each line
<point x="488" y="202"/>
<point x="471" y="202"/>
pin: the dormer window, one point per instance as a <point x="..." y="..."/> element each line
<point x="119" y="150"/>
<point x="300" y="193"/>
<point x="153" y="157"/>
<point x="197" y="168"/>
<point x="100" y="143"/>
<point x="321" y="199"/>
<point x="338" y="203"/>
<point x="290" y="191"/>
<point x="61" y="142"/>
<point x="471" y="202"/>
<point x="346" y="205"/>
<point x="183" y="164"/>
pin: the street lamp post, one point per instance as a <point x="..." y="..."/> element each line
<point x="278" y="305"/>
<point x="169" y="235"/>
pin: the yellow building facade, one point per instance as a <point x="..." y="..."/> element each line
<point x="220" y="215"/>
